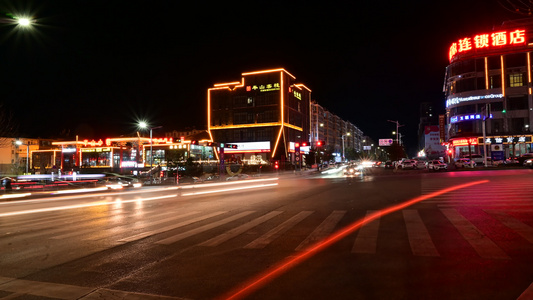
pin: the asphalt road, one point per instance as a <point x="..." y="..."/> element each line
<point x="443" y="235"/>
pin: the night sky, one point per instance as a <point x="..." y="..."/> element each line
<point x="94" y="68"/>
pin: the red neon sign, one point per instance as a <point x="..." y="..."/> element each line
<point x="488" y="41"/>
<point x="465" y="142"/>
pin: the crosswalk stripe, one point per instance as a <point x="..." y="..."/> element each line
<point x="323" y="230"/>
<point x="419" y="238"/>
<point x="170" y="227"/>
<point x="201" y="229"/>
<point x="485" y="247"/>
<point x="522" y="229"/>
<point x="273" y="234"/>
<point x="367" y="237"/>
<point x="240" y="229"/>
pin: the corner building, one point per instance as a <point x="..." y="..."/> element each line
<point x="264" y="114"/>
<point x="489" y="78"/>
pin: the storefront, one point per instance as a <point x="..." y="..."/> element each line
<point x="509" y="146"/>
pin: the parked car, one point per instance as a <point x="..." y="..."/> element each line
<point x="408" y="164"/>
<point x="420" y="164"/>
<point x="477" y="158"/>
<point x="462" y="163"/>
<point x="512" y="161"/>
<point x="524" y="157"/>
<point x="528" y="163"/>
<point x="389" y="165"/>
<point x="437" y="165"/>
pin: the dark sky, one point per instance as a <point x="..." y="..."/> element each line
<point x="97" y="67"/>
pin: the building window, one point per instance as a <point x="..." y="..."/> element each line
<point x="516" y="80"/>
<point x="517" y="103"/>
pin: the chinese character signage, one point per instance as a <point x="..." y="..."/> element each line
<point x="263" y="87"/>
<point x="488" y="41"/>
<point x="506" y="139"/>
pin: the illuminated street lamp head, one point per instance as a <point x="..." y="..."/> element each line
<point x="24" y="22"/>
<point x="143" y="124"/>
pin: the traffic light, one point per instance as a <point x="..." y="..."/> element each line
<point x="212" y="144"/>
<point x="276" y="165"/>
<point x="319" y="143"/>
<point x="231" y="146"/>
<point x="194" y="142"/>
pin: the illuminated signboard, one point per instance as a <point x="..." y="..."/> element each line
<point x="263" y="87"/>
<point x="465" y="142"/>
<point x="488" y="41"/>
<point x="469" y="117"/>
<point x="297" y="95"/>
<point x="457" y="100"/>
<point x="506" y="139"/>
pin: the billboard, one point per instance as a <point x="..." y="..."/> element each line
<point x="432" y="144"/>
<point x="385" y="142"/>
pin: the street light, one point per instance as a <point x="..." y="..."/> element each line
<point x="19" y="143"/>
<point x="144" y="125"/>
<point x="343" y="157"/>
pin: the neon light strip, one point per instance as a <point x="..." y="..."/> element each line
<point x="281" y="113"/>
<point x="269" y="71"/>
<point x="486" y="73"/>
<point x="246" y="125"/>
<point x="255" y="125"/>
<point x="299" y="85"/>
<point x="529" y="71"/>
<point x="292" y="261"/>
<point x="503" y="77"/>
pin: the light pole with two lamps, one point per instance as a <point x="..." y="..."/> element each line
<point x="344" y="157"/>
<point x="20" y="143"/>
<point x="144" y="125"/>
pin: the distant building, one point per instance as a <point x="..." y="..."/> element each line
<point x="489" y="78"/>
<point x="333" y="131"/>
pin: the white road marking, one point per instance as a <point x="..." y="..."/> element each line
<point x="419" y="238"/>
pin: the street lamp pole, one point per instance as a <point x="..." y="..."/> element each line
<point x="19" y="143"/>
<point x="145" y="125"/>
<point x="343" y="156"/>
<point x="397" y="129"/>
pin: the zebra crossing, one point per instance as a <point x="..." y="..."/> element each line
<point x="220" y="227"/>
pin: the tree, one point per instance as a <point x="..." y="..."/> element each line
<point x="8" y="126"/>
<point x="396" y="152"/>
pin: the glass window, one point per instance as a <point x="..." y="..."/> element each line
<point x="517" y="103"/>
<point x="516" y="80"/>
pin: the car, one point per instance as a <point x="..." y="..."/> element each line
<point x="117" y="182"/>
<point x="528" y="163"/>
<point x="477" y="158"/>
<point x="352" y="170"/>
<point x="420" y="164"/>
<point x="389" y="165"/>
<point x="437" y="165"/>
<point x="524" y="157"/>
<point x="462" y="163"/>
<point x="408" y="164"/>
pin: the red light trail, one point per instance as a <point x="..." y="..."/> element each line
<point x="285" y="265"/>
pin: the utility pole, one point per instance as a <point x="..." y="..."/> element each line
<point x="397" y="130"/>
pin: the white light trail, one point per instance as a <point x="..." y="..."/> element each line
<point x="32" y="211"/>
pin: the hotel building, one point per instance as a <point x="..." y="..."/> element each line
<point x="264" y="114"/>
<point x="488" y="89"/>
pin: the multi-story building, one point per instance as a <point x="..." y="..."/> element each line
<point x="488" y="89"/>
<point x="264" y="114"/>
<point x="333" y="131"/>
<point x="16" y="154"/>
